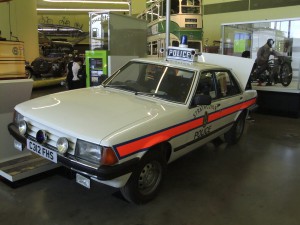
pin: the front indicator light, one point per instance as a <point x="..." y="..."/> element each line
<point x="108" y="157"/>
<point x="22" y="127"/>
<point x="17" y="118"/>
<point x="62" y="145"/>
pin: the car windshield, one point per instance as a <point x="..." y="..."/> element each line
<point x="159" y="81"/>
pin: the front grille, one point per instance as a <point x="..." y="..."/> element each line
<point x="53" y="135"/>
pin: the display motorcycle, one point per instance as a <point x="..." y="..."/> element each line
<point x="279" y="70"/>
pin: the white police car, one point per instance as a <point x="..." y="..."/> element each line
<point x="124" y="132"/>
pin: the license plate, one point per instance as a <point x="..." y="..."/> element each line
<point x="42" y="151"/>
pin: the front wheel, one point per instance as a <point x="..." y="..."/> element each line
<point x="236" y="131"/>
<point x="28" y="74"/>
<point x="145" y="183"/>
<point x="286" y="74"/>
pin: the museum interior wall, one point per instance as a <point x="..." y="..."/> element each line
<point x="19" y="22"/>
<point x="212" y="22"/>
<point x="22" y="19"/>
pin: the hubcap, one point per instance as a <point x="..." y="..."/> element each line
<point x="150" y="177"/>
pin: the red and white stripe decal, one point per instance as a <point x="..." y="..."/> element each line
<point x="133" y="146"/>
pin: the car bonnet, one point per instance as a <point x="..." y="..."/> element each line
<point x="90" y="113"/>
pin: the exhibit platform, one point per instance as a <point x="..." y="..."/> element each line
<point x="14" y="164"/>
<point x="279" y="100"/>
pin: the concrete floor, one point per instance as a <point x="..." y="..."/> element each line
<point x="256" y="182"/>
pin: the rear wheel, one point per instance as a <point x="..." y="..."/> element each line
<point x="145" y="183"/>
<point x="236" y="131"/>
<point x="286" y="74"/>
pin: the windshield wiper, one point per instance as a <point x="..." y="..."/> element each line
<point x="150" y="93"/>
<point x="114" y="85"/>
<point x="121" y="86"/>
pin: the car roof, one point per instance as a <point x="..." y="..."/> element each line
<point x="180" y="64"/>
<point x="240" y="67"/>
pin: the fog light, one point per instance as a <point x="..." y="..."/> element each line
<point x="22" y="127"/>
<point x="62" y="145"/>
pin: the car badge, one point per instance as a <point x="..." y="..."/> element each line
<point x="41" y="136"/>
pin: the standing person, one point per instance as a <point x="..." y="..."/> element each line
<point x="263" y="55"/>
<point x="69" y="74"/>
<point x="72" y="76"/>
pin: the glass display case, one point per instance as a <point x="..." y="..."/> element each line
<point x="247" y="37"/>
<point x="122" y="37"/>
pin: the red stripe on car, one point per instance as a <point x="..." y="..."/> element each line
<point x="152" y="139"/>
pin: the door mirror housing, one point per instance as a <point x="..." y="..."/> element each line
<point x="199" y="99"/>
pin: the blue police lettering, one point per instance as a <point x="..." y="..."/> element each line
<point x="179" y="53"/>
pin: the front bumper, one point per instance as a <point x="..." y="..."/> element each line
<point x="102" y="172"/>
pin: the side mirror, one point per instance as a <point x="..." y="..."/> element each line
<point x="201" y="100"/>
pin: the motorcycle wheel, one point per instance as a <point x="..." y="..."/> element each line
<point x="286" y="74"/>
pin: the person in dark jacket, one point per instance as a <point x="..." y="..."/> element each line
<point x="73" y="69"/>
<point x="263" y="55"/>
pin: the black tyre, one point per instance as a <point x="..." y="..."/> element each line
<point x="145" y="183"/>
<point x="236" y="131"/>
<point x="28" y="73"/>
<point x="286" y="74"/>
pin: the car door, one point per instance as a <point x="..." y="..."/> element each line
<point x="229" y="98"/>
<point x="202" y="130"/>
<point x="210" y="121"/>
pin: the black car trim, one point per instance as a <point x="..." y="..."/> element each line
<point x="14" y="131"/>
<point x="103" y="172"/>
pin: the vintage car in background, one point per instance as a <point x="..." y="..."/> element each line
<point x="151" y="112"/>
<point x="53" y="61"/>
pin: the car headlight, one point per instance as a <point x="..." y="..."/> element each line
<point x="95" y="153"/>
<point x="88" y="151"/>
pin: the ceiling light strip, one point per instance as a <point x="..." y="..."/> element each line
<point x="88" y="1"/>
<point x="82" y="10"/>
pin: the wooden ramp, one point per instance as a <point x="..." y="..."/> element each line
<point x="26" y="166"/>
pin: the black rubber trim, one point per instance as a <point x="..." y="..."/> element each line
<point x="14" y="131"/>
<point x="103" y="172"/>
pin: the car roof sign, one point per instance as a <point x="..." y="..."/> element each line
<point x="182" y="54"/>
